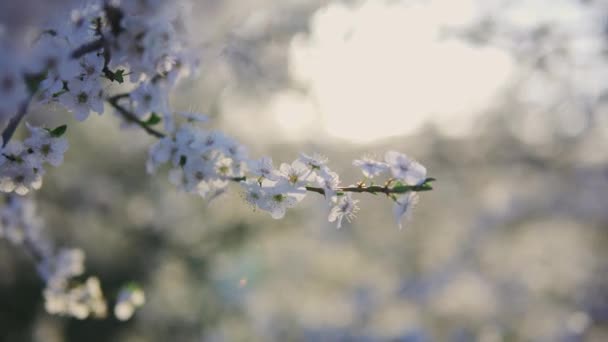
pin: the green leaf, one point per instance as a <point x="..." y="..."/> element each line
<point x="429" y="180"/>
<point x="132" y="286"/>
<point x="182" y="161"/>
<point x="119" y="75"/>
<point x="58" y="131"/>
<point x="153" y="120"/>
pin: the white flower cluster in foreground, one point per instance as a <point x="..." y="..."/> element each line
<point x="63" y="294"/>
<point x="22" y="163"/>
<point x="79" y="300"/>
<point x="72" y="63"/>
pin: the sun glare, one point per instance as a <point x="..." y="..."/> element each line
<point x="382" y="69"/>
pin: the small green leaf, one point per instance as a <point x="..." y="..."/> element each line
<point x="119" y="75"/>
<point x="58" y="131"/>
<point x="153" y="120"/>
<point x="132" y="286"/>
<point x="430" y="179"/>
<point x="182" y="161"/>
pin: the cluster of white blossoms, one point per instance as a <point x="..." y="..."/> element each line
<point x="22" y="163"/>
<point x="130" y="54"/>
<point x="130" y="298"/>
<point x="72" y="61"/>
<point x="204" y="162"/>
<point x="275" y="190"/>
<point x="63" y="294"/>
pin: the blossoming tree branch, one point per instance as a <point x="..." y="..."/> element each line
<point x="88" y="59"/>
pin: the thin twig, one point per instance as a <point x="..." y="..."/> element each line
<point x="374" y="189"/>
<point x="113" y="101"/>
<point x="10" y="129"/>
<point x="88" y="48"/>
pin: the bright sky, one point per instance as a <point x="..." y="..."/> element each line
<point x="381" y="69"/>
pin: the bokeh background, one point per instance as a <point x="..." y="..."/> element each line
<point x="504" y="102"/>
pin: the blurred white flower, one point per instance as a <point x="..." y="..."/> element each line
<point x="403" y="207"/>
<point x="314" y="161"/>
<point x="82" y="98"/>
<point x="148" y="98"/>
<point x="329" y="181"/>
<point x="46" y="147"/>
<point x="159" y="153"/>
<point x="370" y="167"/>
<point x="129" y="298"/>
<point x="263" y="168"/>
<point x="404" y="168"/>
<point x="345" y="207"/>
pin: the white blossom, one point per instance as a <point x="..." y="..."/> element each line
<point x="370" y="167"/>
<point x="403" y="207"/>
<point x="129" y="298"/>
<point x="20" y="173"/>
<point x="278" y="200"/>
<point x="263" y="168"/>
<point x="79" y="301"/>
<point x="148" y="97"/>
<point x="160" y="153"/>
<point x="296" y="174"/>
<point x="48" y="148"/>
<point x="82" y="98"/>
<point x="254" y="194"/>
<point x="63" y="295"/>
<point x="328" y="181"/>
<point x="78" y="29"/>
<point x="314" y="161"/>
<point x="272" y="197"/>
<point x="405" y="169"/>
<point x="344" y="207"/>
<point x="91" y="66"/>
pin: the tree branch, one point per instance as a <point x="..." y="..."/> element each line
<point x="10" y="129"/>
<point x="88" y="48"/>
<point x="374" y="189"/>
<point x="127" y="115"/>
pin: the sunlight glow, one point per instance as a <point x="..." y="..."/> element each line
<point x="382" y="69"/>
